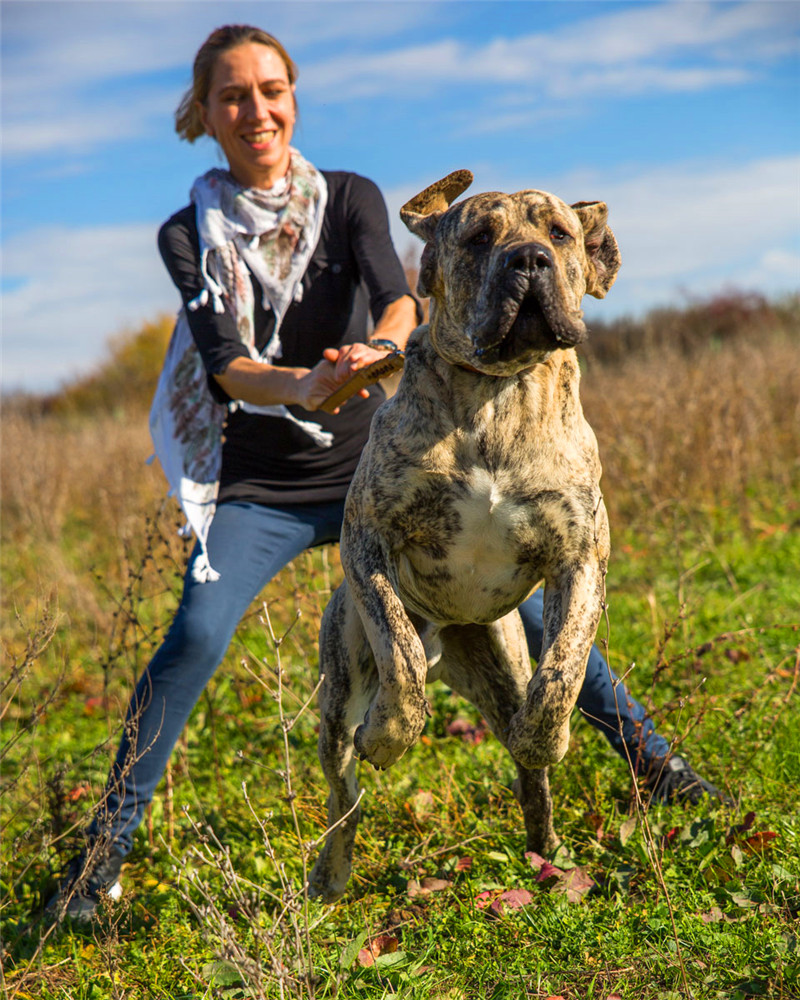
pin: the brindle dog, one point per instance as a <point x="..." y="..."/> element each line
<point x="480" y="479"/>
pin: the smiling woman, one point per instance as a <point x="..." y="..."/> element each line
<point x="277" y="264"/>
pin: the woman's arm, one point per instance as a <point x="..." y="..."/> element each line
<point x="271" y="385"/>
<point x="237" y="375"/>
<point x="397" y="322"/>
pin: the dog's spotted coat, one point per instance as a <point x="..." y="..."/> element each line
<point x="480" y="479"/>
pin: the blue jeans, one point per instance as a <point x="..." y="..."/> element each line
<point x="249" y="544"/>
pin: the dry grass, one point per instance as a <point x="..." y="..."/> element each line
<point x="680" y="421"/>
<point x="697" y="428"/>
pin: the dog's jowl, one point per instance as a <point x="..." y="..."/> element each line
<point x="481" y="479"/>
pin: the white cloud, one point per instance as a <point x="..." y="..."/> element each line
<point x="79" y="287"/>
<point x="62" y="60"/>
<point x="634" y="50"/>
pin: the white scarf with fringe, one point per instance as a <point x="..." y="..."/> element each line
<point x="267" y="233"/>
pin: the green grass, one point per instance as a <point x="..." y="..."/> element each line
<point x="682" y="904"/>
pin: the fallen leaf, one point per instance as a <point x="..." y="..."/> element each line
<point x="463" y="864"/>
<point x="535" y="860"/>
<point x="549" y="874"/>
<point x="595" y="822"/>
<point x="404" y="915"/>
<point x="712" y="916"/>
<point x="78" y="792"/>
<point x="757" y="842"/>
<point x="743" y="827"/>
<point x="421" y="804"/>
<point x="513" y="899"/>
<point x="497" y="900"/>
<point x="426" y="886"/>
<point x="737" y="655"/>
<point x="626" y="829"/>
<point x="574" y="883"/>
<point x="383" y="944"/>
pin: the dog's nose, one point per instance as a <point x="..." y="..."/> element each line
<point x="528" y="258"/>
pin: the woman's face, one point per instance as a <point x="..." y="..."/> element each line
<point x="250" y="111"/>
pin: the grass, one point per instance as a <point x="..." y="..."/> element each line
<point x="662" y="903"/>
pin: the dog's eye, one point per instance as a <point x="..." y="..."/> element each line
<point x="479" y="239"/>
<point x="558" y="235"/>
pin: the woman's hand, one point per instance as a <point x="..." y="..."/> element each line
<point x="335" y="368"/>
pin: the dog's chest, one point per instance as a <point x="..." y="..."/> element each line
<point x="488" y="540"/>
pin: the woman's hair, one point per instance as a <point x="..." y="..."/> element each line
<point x="188" y="123"/>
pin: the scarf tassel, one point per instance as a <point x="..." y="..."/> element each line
<point x="212" y="289"/>
<point x="202" y="570"/>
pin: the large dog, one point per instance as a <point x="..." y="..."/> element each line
<point x="480" y="479"/>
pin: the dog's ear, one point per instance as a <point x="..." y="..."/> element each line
<point x="601" y="246"/>
<point x="424" y="210"/>
<point x="421" y="215"/>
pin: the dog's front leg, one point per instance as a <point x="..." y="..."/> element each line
<point x="539" y="733"/>
<point x="396" y="716"/>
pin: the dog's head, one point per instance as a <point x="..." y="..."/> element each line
<point x="507" y="272"/>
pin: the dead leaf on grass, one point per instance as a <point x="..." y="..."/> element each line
<point x="574" y="883"/>
<point x="421" y="804"/>
<point x="497" y="902"/>
<point x="757" y="842"/>
<point x="626" y="829"/>
<point x="383" y="944"/>
<point x="595" y="823"/>
<point x="426" y="886"/>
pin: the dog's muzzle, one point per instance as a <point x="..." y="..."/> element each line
<point x="528" y="310"/>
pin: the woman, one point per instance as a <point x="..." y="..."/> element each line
<point x="270" y="260"/>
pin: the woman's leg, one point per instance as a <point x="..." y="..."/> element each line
<point x="248" y="544"/>
<point x="604" y="700"/>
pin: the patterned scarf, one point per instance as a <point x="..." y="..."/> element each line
<point x="267" y="233"/>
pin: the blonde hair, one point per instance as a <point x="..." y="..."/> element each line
<point x="188" y="123"/>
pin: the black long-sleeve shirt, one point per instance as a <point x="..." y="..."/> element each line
<point x="353" y="269"/>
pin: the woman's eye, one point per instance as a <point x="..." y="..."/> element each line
<point x="479" y="239"/>
<point x="558" y="234"/>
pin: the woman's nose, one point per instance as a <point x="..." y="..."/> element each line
<point x="260" y="106"/>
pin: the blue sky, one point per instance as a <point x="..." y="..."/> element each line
<point x="681" y="115"/>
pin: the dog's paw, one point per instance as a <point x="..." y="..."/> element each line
<point x="388" y="731"/>
<point x="532" y="743"/>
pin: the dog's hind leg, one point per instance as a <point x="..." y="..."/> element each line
<point x="490" y="667"/>
<point x="350" y="682"/>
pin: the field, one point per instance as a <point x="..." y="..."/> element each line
<point x="697" y="412"/>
